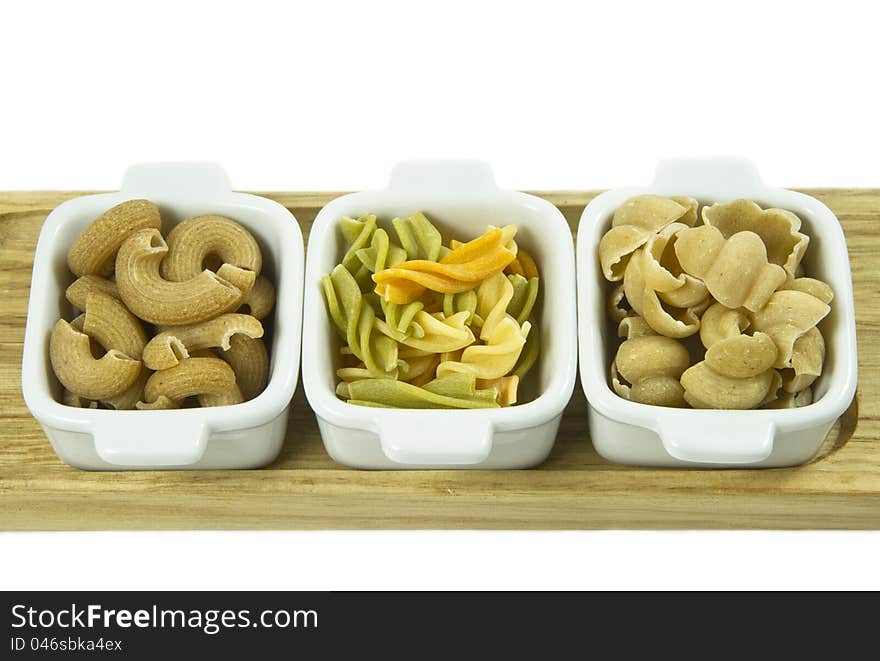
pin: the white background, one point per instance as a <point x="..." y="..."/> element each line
<point x="328" y="95"/>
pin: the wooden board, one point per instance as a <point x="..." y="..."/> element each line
<point x="574" y="489"/>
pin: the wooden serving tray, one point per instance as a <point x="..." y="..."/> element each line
<point x="304" y="488"/>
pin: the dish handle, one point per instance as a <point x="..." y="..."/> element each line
<point x="427" y="439"/>
<point x="714" y="178"/>
<point x="191" y="181"/>
<point x="463" y="176"/>
<point x="141" y="444"/>
<point x="699" y="437"/>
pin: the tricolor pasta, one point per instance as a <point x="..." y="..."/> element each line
<point x="735" y="283"/>
<point x="425" y="324"/>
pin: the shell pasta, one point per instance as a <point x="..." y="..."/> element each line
<point x="715" y="315"/>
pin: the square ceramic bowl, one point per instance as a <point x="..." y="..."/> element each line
<point x="462" y="199"/>
<point x="633" y="433"/>
<point x="246" y="435"/>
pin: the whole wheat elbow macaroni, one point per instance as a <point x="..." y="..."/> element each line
<point x="193" y="240"/>
<point x="83" y="374"/>
<point x="77" y="293"/>
<point x="211" y="379"/>
<point x="94" y="248"/>
<point x="250" y="361"/>
<point x="107" y="321"/>
<point x="159" y="301"/>
<point x="174" y="344"/>
<point x="129" y="275"/>
<point x="260" y="299"/>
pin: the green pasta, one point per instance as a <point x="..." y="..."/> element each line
<point x="418" y="236"/>
<point x="407" y="396"/>
<point x="354" y="319"/>
<point x="525" y="293"/>
<point x="463" y="302"/>
<point x="529" y="353"/>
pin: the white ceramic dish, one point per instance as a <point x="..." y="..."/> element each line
<point x="247" y="435"/>
<point x="633" y="433"/>
<point x="462" y="199"/>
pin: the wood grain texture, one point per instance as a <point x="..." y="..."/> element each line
<point x="574" y="489"/>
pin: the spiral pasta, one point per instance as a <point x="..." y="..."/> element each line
<point x="449" y="326"/>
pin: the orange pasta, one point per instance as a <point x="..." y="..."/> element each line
<point x="461" y="270"/>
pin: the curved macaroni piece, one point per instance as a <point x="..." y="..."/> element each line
<point x="83" y="374"/>
<point x="494" y="359"/>
<point x="813" y="287"/>
<point x="166" y="302"/>
<point x="93" y="250"/>
<point x="807" y="358"/>
<point x="735" y="269"/>
<point x="260" y="298"/>
<point x="212" y="379"/>
<point x="462" y="269"/>
<point x="720" y="323"/>
<point x="128" y="399"/>
<point x="742" y="356"/>
<point x="461" y="393"/>
<point x="195" y="239"/>
<point x="633" y="224"/>
<point x="241" y="279"/>
<point x="356" y="321"/>
<point x="77" y="293"/>
<point x="441" y="334"/>
<point x="174" y="344"/>
<point x="162" y="403"/>
<point x="648" y="366"/>
<point x="788" y="315"/>
<point x="250" y="361"/>
<point x="777" y="228"/>
<point x="525" y="294"/>
<point x="107" y="321"/>
<point x="706" y="389"/>
<point x="418" y="236"/>
<point x="70" y="399"/>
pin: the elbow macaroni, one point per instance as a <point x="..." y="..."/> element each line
<point x="201" y="349"/>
